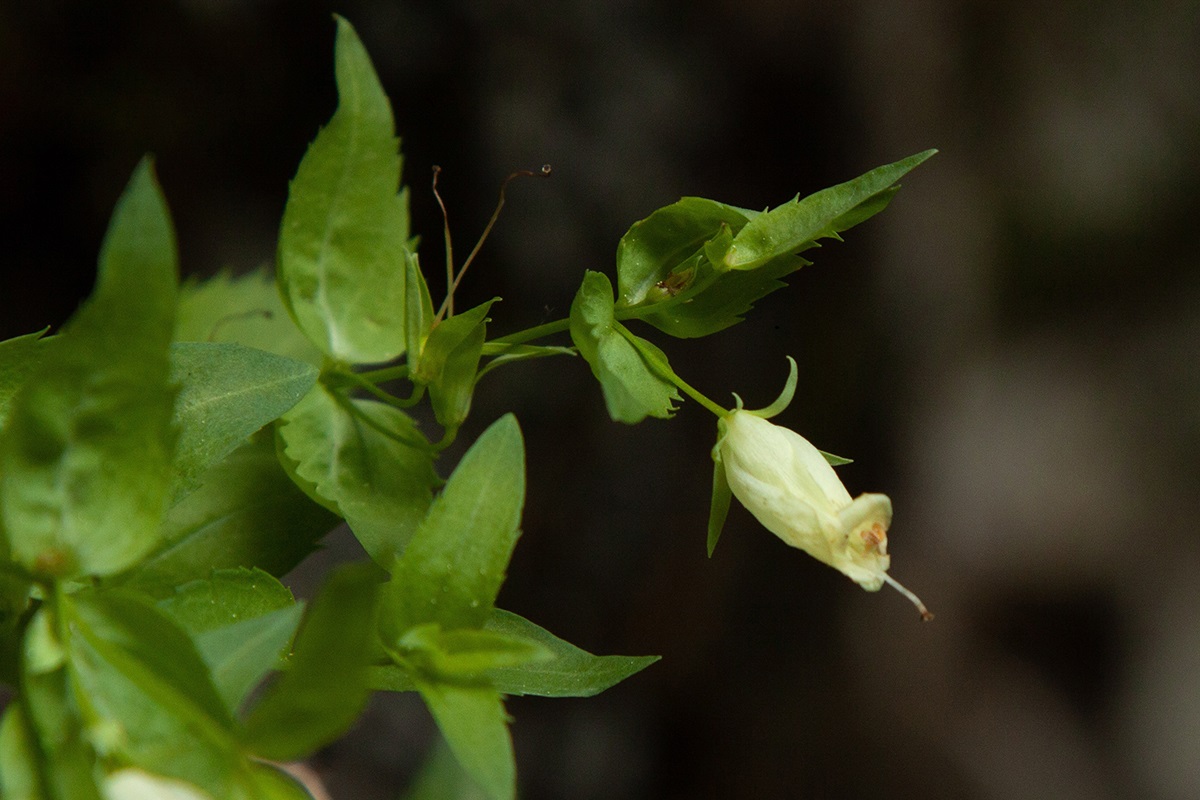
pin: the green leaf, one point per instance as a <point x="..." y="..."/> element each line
<point x="241" y="621"/>
<point x="632" y="389"/>
<point x="672" y="236"/>
<point x="449" y="363"/>
<point x="365" y="459"/>
<point x="569" y="672"/>
<point x="343" y="240"/>
<point x="14" y="603"/>
<point x="465" y="655"/>
<point x="247" y="512"/>
<point x="797" y="225"/>
<point x="68" y="760"/>
<point x="85" y="458"/>
<point x="226" y="393"/>
<point x="225" y="597"/>
<point x="19" y="359"/>
<point x="265" y="782"/>
<point x="718" y="300"/>
<point x="442" y="777"/>
<point x="19" y="758"/>
<point x="145" y="693"/>
<point x="453" y="567"/>
<point x="240" y="655"/>
<point x="473" y="721"/>
<point x="244" y="310"/>
<point x="325" y="690"/>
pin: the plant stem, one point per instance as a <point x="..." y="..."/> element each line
<point x="536" y="332"/>
<point x="664" y="371"/>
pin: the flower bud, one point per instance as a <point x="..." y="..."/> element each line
<point x="787" y="484"/>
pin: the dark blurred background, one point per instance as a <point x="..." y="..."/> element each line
<point x="1009" y="351"/>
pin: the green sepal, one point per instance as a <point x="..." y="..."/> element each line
<point x="324" y="690"/>
<point x="418" y="309"/>
<point x="449" y="363"/>
<point x="365" y="460"/>
<point x="243" y="309"/>
<point x="453" y="566"/>
<point x="633" y="390"/>
<point x="343" y="242"/>
<point x="722" y="495"/>
<point x="797" y="225"/>
<point x="85" y="458"/>
<point x="785" y="396"/>
<point x="226" y="393"/>
<point x="835" y="461"/>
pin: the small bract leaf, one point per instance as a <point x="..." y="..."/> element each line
<point x="632" y="389"/>
<point x="343" y="241"/>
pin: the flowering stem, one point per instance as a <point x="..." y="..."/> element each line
<point x="536" y="332"/>
<point x="664" y="371"/>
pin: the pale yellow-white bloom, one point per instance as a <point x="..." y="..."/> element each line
<point x="136" y="784"/>
<point x="789" y="486"/>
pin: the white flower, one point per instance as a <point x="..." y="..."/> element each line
<point x="135" y="784"/>
<point x="787" y="484"/>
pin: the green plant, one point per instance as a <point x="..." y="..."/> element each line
<point x="176" y="449"/>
